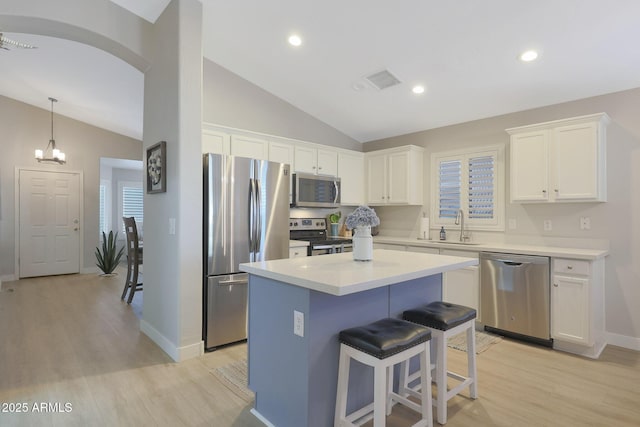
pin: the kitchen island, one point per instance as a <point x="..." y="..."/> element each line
<point x="297" y="307"/>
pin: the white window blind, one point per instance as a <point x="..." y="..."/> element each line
<point x="470" y="181"/>
<point x="132" y="203"/>
<point x="481" y="187"/>
<point x="103" y="208"/>
<point x="450" y="182"/>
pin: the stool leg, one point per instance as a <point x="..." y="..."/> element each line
<point x="441" y="377"/>
<point x="379" y="395"/>
<point x="426" y="402"/>
<point x="403" y="383"/>
<point x="343" y="384"/>
<point x="389" y="389"/>
<point x="471" y="360"/>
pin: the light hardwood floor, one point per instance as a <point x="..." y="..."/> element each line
<point x="69" y="339"/>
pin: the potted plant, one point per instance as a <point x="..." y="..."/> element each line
<point x="109" y="257"/>
<point x="334" y="219"/>
<point x="361" y="220"/>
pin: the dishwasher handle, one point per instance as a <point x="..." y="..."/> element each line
<point x="512" y="263"/>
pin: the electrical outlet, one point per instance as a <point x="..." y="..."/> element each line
<point x="585" y="223"/>
<point x="512" y="224"/>
<point x="298" y="323"/>
<point x="547" y="225"/>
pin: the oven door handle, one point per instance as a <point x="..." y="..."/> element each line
<point x="314" y="247"/>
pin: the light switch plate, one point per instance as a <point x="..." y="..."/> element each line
<point x="298" y="323"/>
<point x="585" y="223"/>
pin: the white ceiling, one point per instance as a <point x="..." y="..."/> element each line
<point x="464" y="52"/>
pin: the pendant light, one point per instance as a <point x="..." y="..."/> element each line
<point x="57" y="156"/>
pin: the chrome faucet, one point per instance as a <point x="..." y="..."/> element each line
<point x="460" y="222"/>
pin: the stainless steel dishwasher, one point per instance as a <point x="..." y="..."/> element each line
<point x="514" y="295"/>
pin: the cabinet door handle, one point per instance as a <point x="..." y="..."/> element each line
<point x="569" y="267"/>
<point x="556" y="190"/>
<point x="544" y="191"/>
<point x="555" y="284"/>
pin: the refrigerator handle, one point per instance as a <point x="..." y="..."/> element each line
<point x="258" y="241"/>
<point x="251" y="219"/>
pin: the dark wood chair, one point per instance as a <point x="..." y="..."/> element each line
<point x="133" y="282"/>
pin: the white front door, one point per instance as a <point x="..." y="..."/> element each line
<point x="49" y="223"/>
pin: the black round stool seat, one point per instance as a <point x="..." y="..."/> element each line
<point x="440" y="315"/>
<point x="385" y="337"/>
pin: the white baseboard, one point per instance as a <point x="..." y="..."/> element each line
<point x="178" y="354"/>
<point x="624" y="341"/>
<point x="8" y="278"/>
<point x="89" y="270"/>
<point x="262" y="419"/>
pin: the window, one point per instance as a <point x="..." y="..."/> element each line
<point x="471" y="181"/>
<point x="105" y="206"/>
<point x="131" y="202"/>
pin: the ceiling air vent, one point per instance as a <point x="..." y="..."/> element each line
<point x="383" y="79"/>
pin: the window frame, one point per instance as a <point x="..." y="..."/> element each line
<point x="497" y="223"/>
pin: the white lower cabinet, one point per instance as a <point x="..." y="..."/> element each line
<point x="462" y="286"/>
<point x="577" y="306"/>
<point x="570" y="315"/>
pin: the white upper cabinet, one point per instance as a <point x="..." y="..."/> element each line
<point x="394" y="176"/>
<point x="249" y="146"/>
<point x="216" y="142"/>
<point x="530" y="178"/>
<point x="281" y="152"/>
<point x="560" y="161"/>
<point x="351" y="173"/>
<point x="317" y="161"/>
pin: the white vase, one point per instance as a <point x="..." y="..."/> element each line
<point x="362" y="244"/>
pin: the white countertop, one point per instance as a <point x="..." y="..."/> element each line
<point x="297" y="243"/>
<point x="550" y="251"/>
<point x="339" y="274"/>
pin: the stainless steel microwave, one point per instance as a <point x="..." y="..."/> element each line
<point x="314" y="191"/>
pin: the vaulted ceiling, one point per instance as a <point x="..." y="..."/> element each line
<point x="465" y="54"/>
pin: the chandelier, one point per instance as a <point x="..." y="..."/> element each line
<point x="57" y="156"/>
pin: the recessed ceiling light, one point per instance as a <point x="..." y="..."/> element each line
<point x="295" y="40"/>
<point x="418" y="89"/>
<point x="528" y="56"/>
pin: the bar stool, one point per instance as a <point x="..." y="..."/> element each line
<point x="382" y="345"/>
<point x="445" y="320"/>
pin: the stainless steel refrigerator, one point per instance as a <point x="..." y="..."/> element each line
<point x="246" y="218"/>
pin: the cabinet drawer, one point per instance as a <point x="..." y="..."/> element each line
<point x="296" y="252"/>
<point x="463" y="254"/>
<point x="423" y="249"/>
<point x="571" y="266"/>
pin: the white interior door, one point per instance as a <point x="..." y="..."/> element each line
<point x="49" y="209"/>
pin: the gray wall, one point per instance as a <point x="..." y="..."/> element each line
<point x="233" y="101"/>
<point x="25" y="128"/>
<point x="172" y="312"/>
<point x="617" y="220"/>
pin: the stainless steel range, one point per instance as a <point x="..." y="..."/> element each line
<point x="314" y="231"/>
